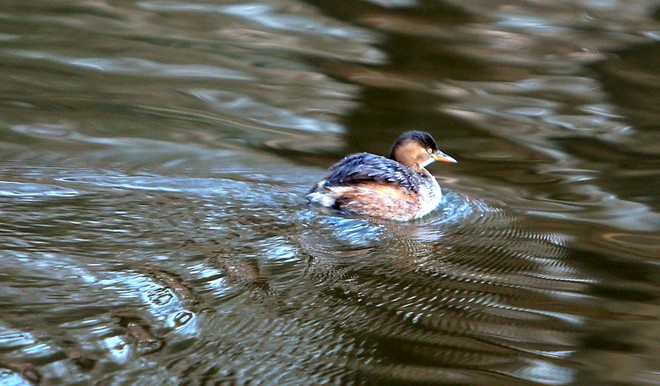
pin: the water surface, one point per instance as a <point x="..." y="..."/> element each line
<point x="154" y="157"/>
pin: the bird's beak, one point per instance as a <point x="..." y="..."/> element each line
<point x="442" y="157"/>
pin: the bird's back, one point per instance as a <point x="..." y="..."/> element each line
<point x="363" y="168"/>
<point x="373" y="185"/>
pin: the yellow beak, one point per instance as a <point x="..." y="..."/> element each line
<point x="442" y="157"/>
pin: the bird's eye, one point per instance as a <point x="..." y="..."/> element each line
<point x="429" y="150"/>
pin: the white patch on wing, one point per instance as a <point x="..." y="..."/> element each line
<point x="328" y="196"/>
<point x="321" y="199"/>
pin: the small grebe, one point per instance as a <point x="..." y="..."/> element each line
<point x="395" y="188"/>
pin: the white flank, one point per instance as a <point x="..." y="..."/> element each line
<point x="321" y="199"/>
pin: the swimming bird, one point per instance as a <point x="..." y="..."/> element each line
<point x="395" y="188"/>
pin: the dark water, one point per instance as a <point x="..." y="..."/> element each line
<point x="154" y="157"/>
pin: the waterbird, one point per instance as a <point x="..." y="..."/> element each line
<point x="395" y="188"/>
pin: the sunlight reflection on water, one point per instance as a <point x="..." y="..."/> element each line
<point x="154" y="157"/>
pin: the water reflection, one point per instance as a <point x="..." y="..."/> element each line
<point x="154" y="157"/>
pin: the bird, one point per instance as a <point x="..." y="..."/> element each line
<point x="396" y="188"/>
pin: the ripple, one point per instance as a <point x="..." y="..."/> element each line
<point x="201" y="186"/>
<point x="589" y="203"/>
<point x="32" y="190"/>
<point x="480" y="272"/>
<point x="245" y="107"/>
<point x="266" y="15"/>
<point x="626" y="241"/>
<point x="155" y="156"/>
<point x="47" y="130"/>
<point x="137" y="66"/>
